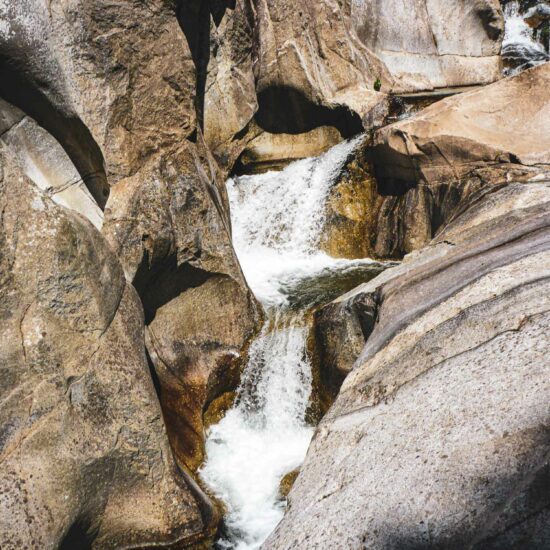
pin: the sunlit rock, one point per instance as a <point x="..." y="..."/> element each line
<point x="84" y="456"/>
<point x="445" y="44"/>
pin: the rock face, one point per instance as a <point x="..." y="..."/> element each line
<point x="282" y="68"/>
<point x="83" y="450"/>
<point x="46" y="163"/>
<point x="132" y="87"/>
<point x="439" y="436"/>
<point x="428" y="164"/>
<point x="308" y="59"/>
<point x="448" y="45"/>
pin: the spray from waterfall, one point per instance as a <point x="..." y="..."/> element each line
<point x="277" y="221"/>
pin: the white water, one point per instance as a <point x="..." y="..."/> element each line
<point x="519" y="45"/>
<point x="277" y="222"/>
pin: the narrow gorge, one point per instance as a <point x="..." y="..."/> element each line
<point x="274" y="274"/>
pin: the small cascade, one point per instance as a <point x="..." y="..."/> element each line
<point x="277" y="218"/>
<point x="520" y="49"/>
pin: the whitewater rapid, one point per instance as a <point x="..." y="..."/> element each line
<point x="519" y="47"/>
<point x="277" y="221"/>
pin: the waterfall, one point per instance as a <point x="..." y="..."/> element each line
<point x="520" y="50"/>
<point x="277" y="219"/>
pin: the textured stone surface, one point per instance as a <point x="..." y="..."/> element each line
<point x="83" y="449"/>
<point x="101" y="81"/>
<point x="427" y="165"/>
<point x="352" y="211"/>
<point x="445" y="44"/>
<point x="309" y="58"/>
<point x="45" y="162"/>
<point x="439" y="436"/>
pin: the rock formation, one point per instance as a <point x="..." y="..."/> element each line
<point x="439" y="435"/>
<point x="125" y="314"/>
<point x="431" y="162"/>
<point x="83" y="450"/>
<point x="454" y="44"/>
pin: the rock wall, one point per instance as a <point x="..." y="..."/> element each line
<point x="433" y="161"/>
<point x="449" y="44"/>
<point x="116" y="101"/>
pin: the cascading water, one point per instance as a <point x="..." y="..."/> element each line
<point x="277" y="220"/>
<point x="520" y="50"/>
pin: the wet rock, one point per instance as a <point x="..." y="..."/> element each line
<point x="341" y="330"/>
<point x="439" y="436"/>
<point x="85" y="460"/>
<point x="537" y="15"/>
<point x="287" y="482"/>
<point x="352" y="209"/>
<point x="170" y="229"/>
<point x="454" y="45"/>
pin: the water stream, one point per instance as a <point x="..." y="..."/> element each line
<point x="520" y="48"/>
<point x="277" y="218"/>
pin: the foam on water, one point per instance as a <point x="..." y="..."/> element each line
<point x="519" y="47"/>
<point x="277" y="221"/>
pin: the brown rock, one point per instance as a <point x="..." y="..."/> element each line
<point x="174" y="242"/>
<point x="428" y="165"/>
<point x="101" y="81"/>
<point x="311" y="69"/>
<point x="352" y="209"/>
<point x="83" y="450"/>
<point x="287" y="482"/>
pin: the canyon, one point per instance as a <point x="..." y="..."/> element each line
<point x="274" y="274"/>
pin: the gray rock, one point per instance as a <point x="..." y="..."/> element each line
<point x="439" y="436"/>
<point x="454" y="44"/>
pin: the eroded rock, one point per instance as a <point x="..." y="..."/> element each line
<point x="427" y="165"/>
<point x="439" y="436"/>
<point x="84" y="452"/>
<point x="454" y="44"/>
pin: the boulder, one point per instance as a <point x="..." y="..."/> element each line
<point x="171" y="231"/>
<point x="352" y="208"/>
<point x="275" y="151"/>
<point x="225" y="48"/>
<point x="280" y="68"/>
<point x="448" y="45"/>
<point x="428" y="164"/>
<point x="85" y="460"/>
<point x="101" y="81"/>
<point x="439" y="435"/>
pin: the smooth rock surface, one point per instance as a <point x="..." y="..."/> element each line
<point x="311" y="69"/>
<point x="427" y="165"/>
<point x="84" y="455"/>
<point x="445" y="43"/>
<point x="439" y="436"/>
<point x="46" y="163"/>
